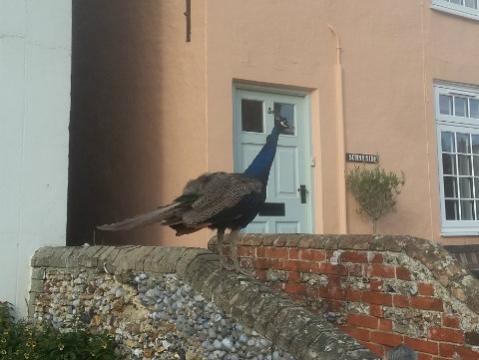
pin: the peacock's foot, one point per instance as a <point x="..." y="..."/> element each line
<point x="233" y="267"/>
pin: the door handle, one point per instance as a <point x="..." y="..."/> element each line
<point x="302" y="193"/>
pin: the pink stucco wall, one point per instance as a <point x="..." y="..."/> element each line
<point x="392" y="52"/>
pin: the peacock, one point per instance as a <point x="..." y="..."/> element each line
<point x="217" y="200"/>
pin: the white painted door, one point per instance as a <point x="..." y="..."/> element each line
<point x="288" y="207"/>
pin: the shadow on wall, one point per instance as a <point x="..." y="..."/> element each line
<point x="115" y="127"/>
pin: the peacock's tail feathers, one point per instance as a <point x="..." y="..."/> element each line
<point x="157" y="215"/>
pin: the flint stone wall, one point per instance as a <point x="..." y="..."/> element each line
<point x="147" y="296"/>
<point x="383" y="290"/>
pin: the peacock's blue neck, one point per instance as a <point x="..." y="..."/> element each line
<point x="261" y="165"/>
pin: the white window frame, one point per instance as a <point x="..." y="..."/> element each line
<point x="456" y="9"/>
<point x="454" y="124"/>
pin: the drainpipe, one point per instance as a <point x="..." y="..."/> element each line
<point x="341" y="138"/>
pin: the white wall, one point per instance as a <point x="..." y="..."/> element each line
<point x="35" y="62"/>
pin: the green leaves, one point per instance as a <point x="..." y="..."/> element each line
<point x="23" y="340"/>
<point x="375" y="190"/>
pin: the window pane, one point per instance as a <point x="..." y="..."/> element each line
<point x="447" y="141"/>
<point x="460" y="106"/>
<point x="463" y="145"/>
<point x="474" y="106"/>
<point x="449" y="164"/>
<point x="471" y="3"/>
<point x="476" y="165"/>
<point x="450" y="187"/>
<point x="476" y="188"/>
<point x="452" y="212"/>
<point x="252" y="115"/>
<point x="459" y="2"/>
<point x="287" y="112"/>
<point x="445" y="104"/>
<point x="475" y="144"/>
<point x="465" y="185"/>
<point x="464" y="164"/>
<point x="467" y="210"/>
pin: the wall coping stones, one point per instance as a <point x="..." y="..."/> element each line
<point x="269" y="312"/>
<point x="444" y="266"/>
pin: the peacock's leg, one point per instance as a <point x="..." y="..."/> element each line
<point x="220" y="246"/>
<point x="233" y="240"/>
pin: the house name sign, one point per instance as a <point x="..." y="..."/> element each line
<point x="362" y="158"/>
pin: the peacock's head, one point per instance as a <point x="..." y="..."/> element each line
<point x="282" y="124"/>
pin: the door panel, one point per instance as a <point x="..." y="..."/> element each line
<point x="286" y="179"/>
<point x="253" y="121"/>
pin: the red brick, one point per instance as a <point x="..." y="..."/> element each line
<point x="445" y="334"/>
<point x="376" y="310"/>
<point x="379" y="270"/>
<point x="425" y="346"/>
<point x="354" y="257"/>
<point x="467" y="353"/>
<point x="295" y="288"/>
<point x="375" y="348"/>
<point x="275" y="263"/>
<point x="446" y="349"/>
<point x="402" y="273"/>
<point x="353" y="295"/>
<point x="379" y="298"/>
<point x="312" y="254"/>
<point x="332" y="292"/>
<point x="328" y="268"/>
<point x="385" y="338"/>
<point x="294" y="276"/>
<point x="385" y="325"/>
<point x="276" y="253"/>
<point x="335" y="305"/>
<point x="376" y="284"/>
<point x="289" y="265"/>
<point x="363" y="321"/>
<point x="358" y="333"/>
<point x="401" y="301"/>
<point x="376" y="258"/>
<point x="262" y="263"/>
<point x="293" y="253"/>
<point x="451" y="321"/>
<point x="308" y="266"/>
<point x="426" y="289"/>
<point x="426" y="303"/>
<point x="260" y="251"/>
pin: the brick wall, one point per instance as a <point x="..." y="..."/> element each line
<point x="164" y="303"/>
<point x="383" y="290"/>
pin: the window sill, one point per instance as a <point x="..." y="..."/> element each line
<point x="459" y="233"/>
<point x="455" y="10"/>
